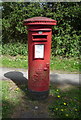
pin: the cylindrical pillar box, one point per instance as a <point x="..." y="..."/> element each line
<point x="39" y="48"/>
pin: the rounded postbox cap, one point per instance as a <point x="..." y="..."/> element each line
<point x="40" y="21"/>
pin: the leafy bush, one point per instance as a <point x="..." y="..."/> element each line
<point x="66" y="45"/>
<point x="66" y="34"/>
<point x="14" y="49"/>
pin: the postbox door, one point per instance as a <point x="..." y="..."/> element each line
<point x="39" y="61"/>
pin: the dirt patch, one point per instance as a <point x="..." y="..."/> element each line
<point x="27" y="108"/>
<point x="33" y="109"/>
<point x="37" y="109"/>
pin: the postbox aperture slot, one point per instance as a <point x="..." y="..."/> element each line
<point x="39" y="37"/>
<point x="39" y="51"/>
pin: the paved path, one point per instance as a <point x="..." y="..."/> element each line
<point x="19" y="74"/>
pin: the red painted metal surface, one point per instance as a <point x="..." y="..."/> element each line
<point x="39" y="32"/>
<point x="40" y="21"/>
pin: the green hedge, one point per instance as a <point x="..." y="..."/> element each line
<point x="66" y="34"/>
<point x="15" y="49"/>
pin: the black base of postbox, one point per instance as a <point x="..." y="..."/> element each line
<point x="38" y="95"/>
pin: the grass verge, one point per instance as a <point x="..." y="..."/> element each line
<point x="14" y="62"/>
<point x="65" y="64"/>
<point x="11" y="97"/>
<point x="63" y="103"/>
<point x="66" y="103"/>
<point x="57" y="63"/>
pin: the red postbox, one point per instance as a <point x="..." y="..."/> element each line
<point x="39" y="48"/>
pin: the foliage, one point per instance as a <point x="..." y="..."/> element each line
<point x="66" y="35"/>
<point x="13" y="16"/>
<point x="14" y="49"/>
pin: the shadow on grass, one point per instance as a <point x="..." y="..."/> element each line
<point x="18" y="79"/>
